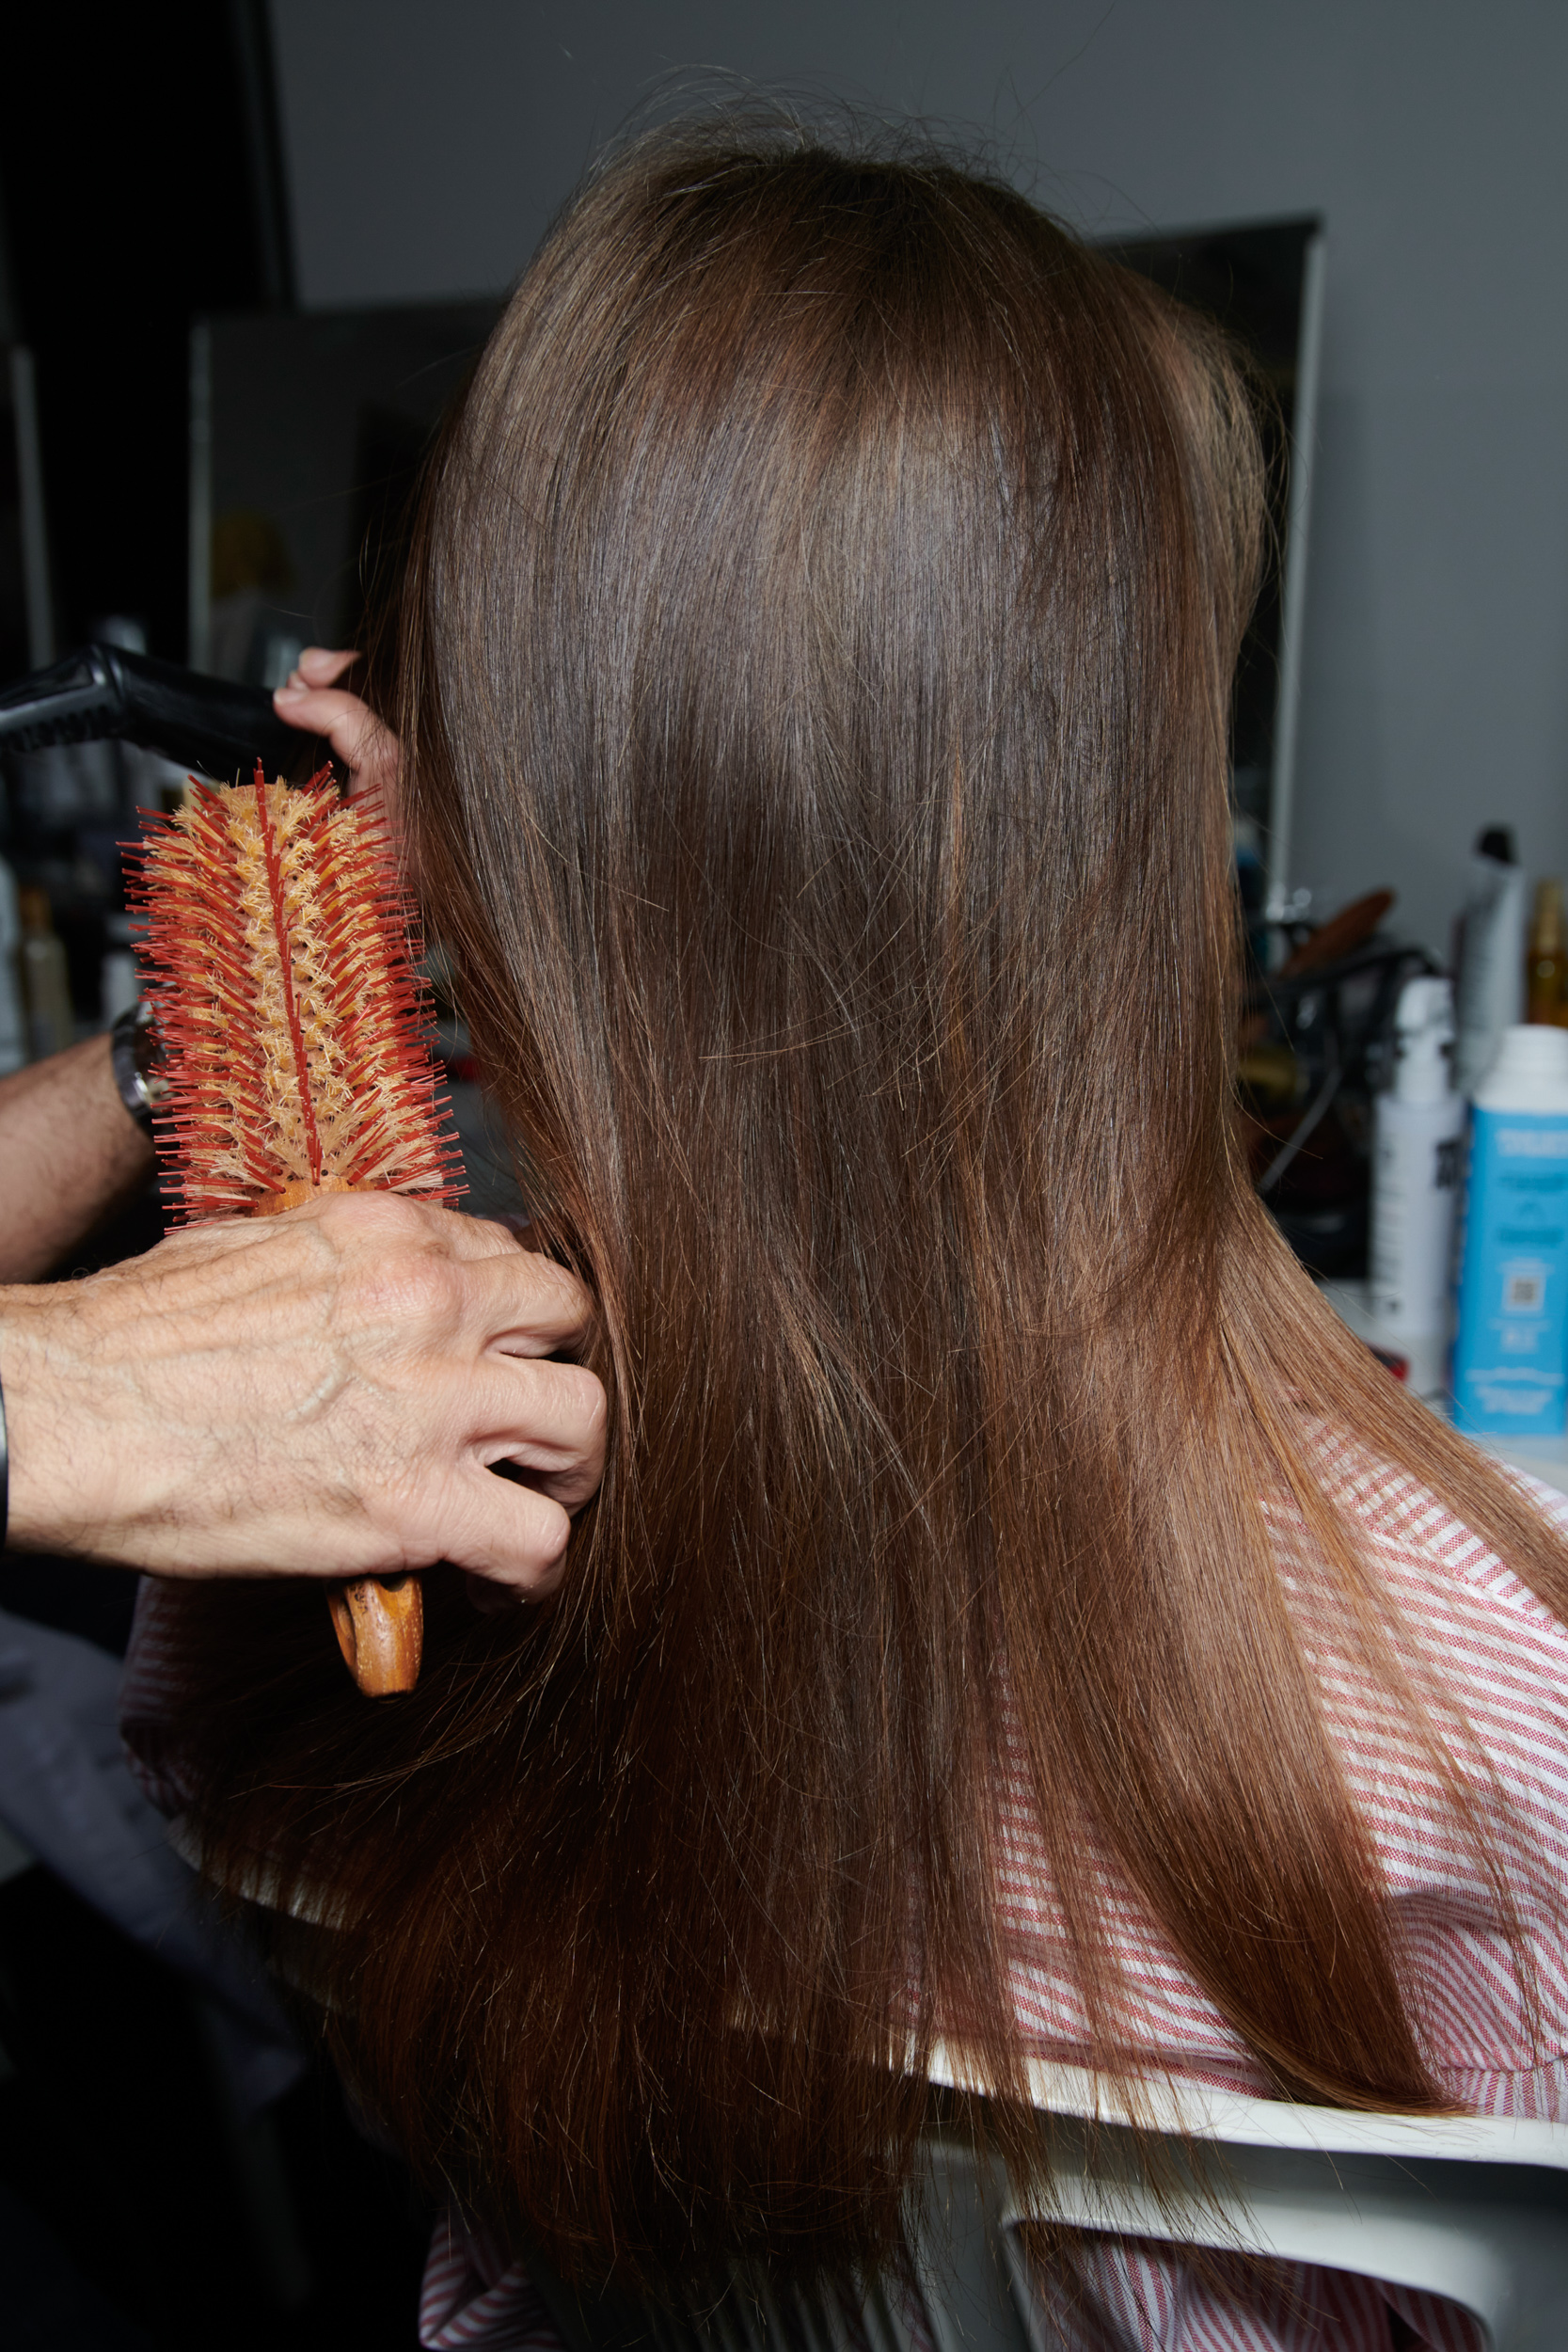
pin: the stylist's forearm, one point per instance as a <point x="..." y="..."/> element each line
<point x="69" y="1149"/>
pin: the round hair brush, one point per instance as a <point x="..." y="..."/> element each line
<point x="280" y="950"/>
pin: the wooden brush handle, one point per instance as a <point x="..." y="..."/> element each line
<point x="379" y="1620"/>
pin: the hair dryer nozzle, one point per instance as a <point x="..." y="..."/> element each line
<point x="209" y="723"/>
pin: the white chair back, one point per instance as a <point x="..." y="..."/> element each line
<point x="1474" y="2208"/>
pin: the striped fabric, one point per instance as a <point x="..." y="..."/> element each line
<point x="473" y="2295"/>
<point x="1503" y="1663"/>
<point x="1500" y="1694"/>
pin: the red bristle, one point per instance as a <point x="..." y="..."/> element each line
<point x="343" y="933"/>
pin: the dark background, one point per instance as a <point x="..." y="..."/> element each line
<point x="140" y="183"/>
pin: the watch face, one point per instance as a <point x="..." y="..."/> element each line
<point x="137" y="1060"/>
<point x="146" y="1047"/>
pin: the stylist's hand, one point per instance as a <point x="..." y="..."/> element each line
<point x="313" y="1395"/>
<point x="312" y="699"/>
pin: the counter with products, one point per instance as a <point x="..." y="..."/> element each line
<point x="1542" y="1457"/>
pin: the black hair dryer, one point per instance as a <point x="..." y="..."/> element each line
<point x="209" y="723"/>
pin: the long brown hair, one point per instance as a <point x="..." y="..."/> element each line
<point x="817" y="667"/>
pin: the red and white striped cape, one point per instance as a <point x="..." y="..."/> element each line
<point x="1502" y="1662"/>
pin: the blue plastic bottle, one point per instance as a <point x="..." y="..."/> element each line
<point x="1511" y="1351"/>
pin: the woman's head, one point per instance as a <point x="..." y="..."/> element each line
<point x="823" y="645"/>
<point x="818" y="656"/>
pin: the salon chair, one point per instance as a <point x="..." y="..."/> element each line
<point x="1474" y="2208"/>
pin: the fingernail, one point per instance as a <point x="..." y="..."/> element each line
<point x="290" y="692"/>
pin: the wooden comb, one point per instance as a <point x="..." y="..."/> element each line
<point x="280" y="950"/>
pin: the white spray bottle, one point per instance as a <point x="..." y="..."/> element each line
<point x="1490" y="995"/>
<point x="1416" y="1156"/>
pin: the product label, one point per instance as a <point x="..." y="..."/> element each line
<point x="1415" y="1178"/>
<point x="1511" y="1354"/>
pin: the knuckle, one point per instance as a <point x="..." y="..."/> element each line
<point x="542" y="1535"/>
<point x="553" y="1533"/>
<point x="554" y="1300"/>
<point x="413" y="1286"/>
<point x="494" y="1230"/>
<point x="429" y="1289"/>
<point x="585" y="1391"/>
<point x="554" y="1282"/>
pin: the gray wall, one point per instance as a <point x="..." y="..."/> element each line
<point x="428" y="145"/>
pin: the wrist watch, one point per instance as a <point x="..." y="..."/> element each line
<point x="138" y="1064"/>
